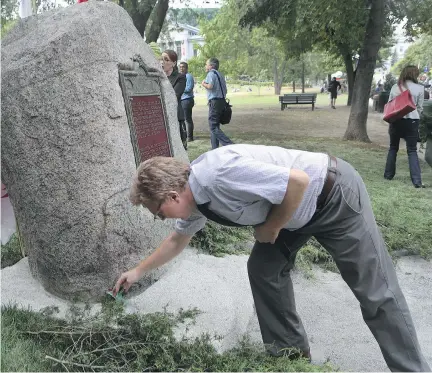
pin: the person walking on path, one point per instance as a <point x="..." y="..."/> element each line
<point x="288" y="196"/>
<point x="187" y="99"/>
<point x="216" y="88"/>
<point x="407" y="127"/>
<point x="333" y="89"/>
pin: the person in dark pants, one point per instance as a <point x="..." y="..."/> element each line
<point x="287" y="196"/>
<point x="187" y="99"/>
<point x="406" y="128"/>
<point x="216" y="88"/>
<point x="178" y="81"/>
<point x="333" y="89"/>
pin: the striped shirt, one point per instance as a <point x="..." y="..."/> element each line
<point x="242" y="182"/>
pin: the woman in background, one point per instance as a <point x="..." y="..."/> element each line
<point x="178" y="81"/>
<point x="407" y="127"/>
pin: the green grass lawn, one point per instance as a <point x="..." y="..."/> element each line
<point x="268" y="98"/>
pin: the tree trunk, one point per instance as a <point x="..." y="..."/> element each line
<point x="293" y="86"/>
<point x="303" y="77"/>
<point x="360" y="99"/>
<point x="282" y="74"/>
<point x="278" y="76"/>
<point x="347" y="57"/>
<point x="161" y="10"/>
<point x="140" y="18"/>
<point x="277" y="87"/>
<point x="351" y="87"/>
<point x="350" y="75"/>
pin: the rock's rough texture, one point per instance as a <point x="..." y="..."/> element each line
<point x="67" y="158"/>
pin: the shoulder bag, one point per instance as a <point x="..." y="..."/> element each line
<point x="226" y="114"/>
<point x="399" y="107"/>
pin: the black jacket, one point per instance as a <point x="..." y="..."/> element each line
<point x="178" y="81"/>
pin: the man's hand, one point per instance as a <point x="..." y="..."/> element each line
<point x="264" y="233"/>
<point x="126" y="280"/>
<point x="203" y="83"/>
<point x="170" y="247"/>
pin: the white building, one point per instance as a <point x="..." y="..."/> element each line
<point x="183" y="39"/>
<point x="398" y="50"/>
<point x="402" y="44"/>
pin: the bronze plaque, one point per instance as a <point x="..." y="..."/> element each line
<point x="151" y="138"/>
<point x="145" y="109"/>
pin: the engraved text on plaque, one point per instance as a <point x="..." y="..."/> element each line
<point x="149" y="124"/>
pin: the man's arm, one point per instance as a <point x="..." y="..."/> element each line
<point x="280" y="214"/>
<point x="170" y="248"/>
<point x="208" y="82"/>
<point x="207" y="85"/>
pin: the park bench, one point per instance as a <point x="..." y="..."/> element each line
<point x="297" y="99"/>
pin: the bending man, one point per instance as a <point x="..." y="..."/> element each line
<point x="288" y="196"/>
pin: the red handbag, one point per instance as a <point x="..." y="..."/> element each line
<point x="399" y="107"/>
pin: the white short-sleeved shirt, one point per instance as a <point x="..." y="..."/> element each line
<point x="242" y="182"/>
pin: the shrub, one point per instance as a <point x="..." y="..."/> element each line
<point x="112" y="341"/>
<point x="219" y="240"/>
<point x="10" y="252"/>
<point x="389" y="82"/>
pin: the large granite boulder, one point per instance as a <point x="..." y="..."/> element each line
<point x="67" y="155"/>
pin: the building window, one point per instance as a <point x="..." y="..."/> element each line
<point x="195" y="52"/>
<point x="178" y="49"/>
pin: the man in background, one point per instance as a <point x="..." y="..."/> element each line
<point x="187" y="99"/>
<point x="333" y="89"/>
<point x="216" y="88"/>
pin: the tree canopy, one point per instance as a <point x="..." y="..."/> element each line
<point x="256" y="53"/>
<point x="418" y="54"/>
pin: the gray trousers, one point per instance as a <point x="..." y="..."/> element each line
<point x="346" y="228"/>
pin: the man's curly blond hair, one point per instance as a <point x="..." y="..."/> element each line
<point x="157" y="176"/>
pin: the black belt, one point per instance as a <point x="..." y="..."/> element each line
<point x="328" y="183"/>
